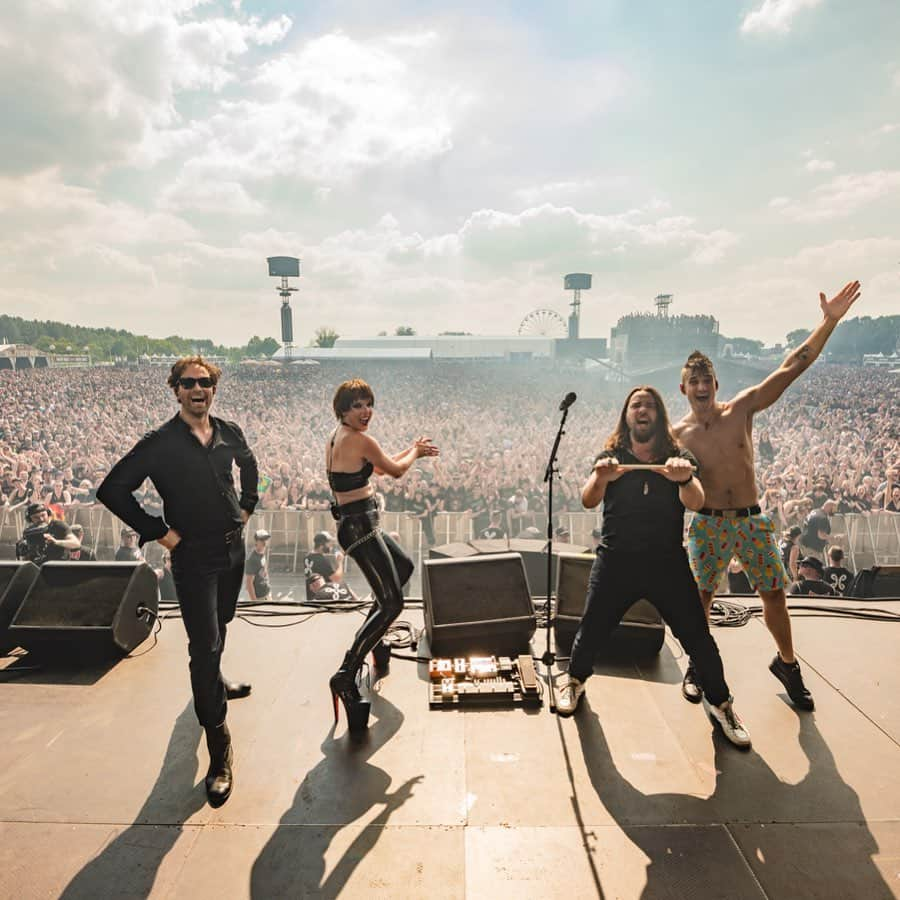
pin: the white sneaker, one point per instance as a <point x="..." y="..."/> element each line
<point x="730" y="723"/>
<point x="568" y="694"/>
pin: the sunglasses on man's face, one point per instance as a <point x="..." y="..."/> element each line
<point x="189" y="383"/>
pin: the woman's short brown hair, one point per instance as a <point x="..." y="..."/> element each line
<point x="348" y="392"/>
<point x="185" y="362"/>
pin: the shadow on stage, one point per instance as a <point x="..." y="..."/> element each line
<point x="128" y="865"/>
<point x="830" y="858"/>
<point x="339" y="791"/>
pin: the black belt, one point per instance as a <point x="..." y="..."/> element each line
<point x="741" y="513"/>
<point x="355" y="507"/>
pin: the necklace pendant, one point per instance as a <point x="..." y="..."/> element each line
<point x="646" y="489"/>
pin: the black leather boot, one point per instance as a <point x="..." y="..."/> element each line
<point x="343" y="687"/>
<point x="235" y="690"/>
<point x="219" y="778"/>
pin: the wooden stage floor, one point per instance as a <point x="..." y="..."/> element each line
<point x="637" y="796"/>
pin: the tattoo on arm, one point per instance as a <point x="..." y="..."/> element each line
<point x="803" y="353"/>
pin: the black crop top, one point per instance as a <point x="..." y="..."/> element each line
<point x="350" y="481"/>
<point x="341" y="482"/>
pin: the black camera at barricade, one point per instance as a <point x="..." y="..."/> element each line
<point x="32" y="545"/>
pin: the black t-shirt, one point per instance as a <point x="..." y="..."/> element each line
<point x="60" y="531"/>
<point x="839" y="578"/>
<point x="492" y="533"/>
<point x="807" y="587"/>
<point x="642" y="510"/>
<point x="332" y="593"/>
<point x="815" y="522"/>
<point x="317" y="564"/>
<point x="257" y="565"/>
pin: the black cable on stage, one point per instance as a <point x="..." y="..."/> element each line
<point x="730" y="614"/>
<point x="156" y="632"/>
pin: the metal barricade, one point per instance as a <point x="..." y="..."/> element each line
<point x="580" y="525"/>
<point x="452" y="527"/>
<point x="884" y="530"/>
<point x="12" y="524"/>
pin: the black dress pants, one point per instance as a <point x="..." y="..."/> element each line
<point x="385" y="566"/>
<point x="208" y="575"/>
<point x="617" y="580"/>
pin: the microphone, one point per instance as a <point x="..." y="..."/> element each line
<point x="567" y="401"/>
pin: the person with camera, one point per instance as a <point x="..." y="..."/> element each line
<point x="45" y="538"/>
<point x="190" y="459"/>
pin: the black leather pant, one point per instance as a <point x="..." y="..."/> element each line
<point x="386" y="567"/>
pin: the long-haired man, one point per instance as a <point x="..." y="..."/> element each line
<point x="641" y="553"/>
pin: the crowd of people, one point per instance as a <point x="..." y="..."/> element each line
<point x="832" y="437"/>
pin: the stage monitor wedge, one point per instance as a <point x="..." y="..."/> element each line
<point x="640" y="633"/>
<point x="87" y="609"/>
<point x="15" y="580"/>
<point x="878" y="582"/>
<point x="478" y="605"/>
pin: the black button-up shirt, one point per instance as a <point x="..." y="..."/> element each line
<point x="195" y="481"/>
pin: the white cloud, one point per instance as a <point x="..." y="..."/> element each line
<point x="820" y="165"/>
<point x="223" y="197"/>
<point x="775" y="16"/>
<point x="105" y="74"/>
<point x="844" y="196"/>
<point x="779" y="202"/>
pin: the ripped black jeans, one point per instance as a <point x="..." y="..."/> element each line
<point x="386" y="567"/>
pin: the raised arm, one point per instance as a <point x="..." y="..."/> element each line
<point x="798" y="361"/>
<point x="399" y="465"/>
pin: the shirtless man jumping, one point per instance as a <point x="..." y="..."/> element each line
<point x="720" y="435"/>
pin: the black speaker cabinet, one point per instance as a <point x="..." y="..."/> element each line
<point x="478" y="605"/>
<point x="640" y="633"/>
<point x="15" y="580"/>
<point x="533" y="553"/>
<point x="453" y="551"/>
<point x="877" y="582"/>
<point x="87" y="609"/>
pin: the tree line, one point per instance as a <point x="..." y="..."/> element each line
<point x="851" y="340"/>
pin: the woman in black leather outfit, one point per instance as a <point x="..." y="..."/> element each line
<point x="351" y="456"/>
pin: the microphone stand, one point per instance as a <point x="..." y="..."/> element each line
<point x="549" y="657"/>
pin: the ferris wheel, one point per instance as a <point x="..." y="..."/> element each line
<point x="544" y="322"/>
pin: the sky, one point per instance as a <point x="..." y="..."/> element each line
<point x="444" y="165"/>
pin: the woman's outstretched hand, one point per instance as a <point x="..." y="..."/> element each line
<point x="424" y="447"/>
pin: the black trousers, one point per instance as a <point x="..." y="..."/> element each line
<point x="620" y="578"/>
<point x="385" y="566"/>
<point x="208" y="576"/>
